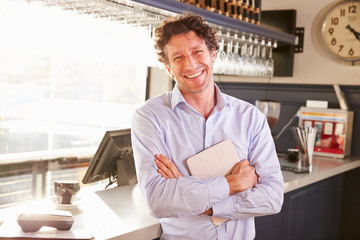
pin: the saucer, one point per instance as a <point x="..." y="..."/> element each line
<point x="66" y="206"/>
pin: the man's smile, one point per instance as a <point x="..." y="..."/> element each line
<point x="195" y="74"/>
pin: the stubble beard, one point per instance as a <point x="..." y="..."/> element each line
<point x="190" y="90"/>
<point x="185" y="87"/>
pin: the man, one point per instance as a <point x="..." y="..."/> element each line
<point x="195" y="115"/>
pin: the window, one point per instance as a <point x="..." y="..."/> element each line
<point x="65" y="78"/>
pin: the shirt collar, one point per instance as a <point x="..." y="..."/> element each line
<point x="178" y="98"/>
<point x="221" y="101"/>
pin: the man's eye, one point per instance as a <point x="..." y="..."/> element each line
<point x="177" y="58"/>
<point x="198" y="51"/>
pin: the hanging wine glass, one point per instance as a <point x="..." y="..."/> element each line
<point x="257" y="64"/>
<point x="236" y="59"/>
<point x="251" y="58"/>
<point x="228" y="61"/>
<point x="244" y="60"/>
<point x="263" y="59"/>
<point x="221" y="58"/>
<point x="270" y="62"/>
<point x="234" y="63"/>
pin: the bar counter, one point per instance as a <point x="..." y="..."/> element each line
<point x="323" y="168"/>
<point x="120" y="213"/>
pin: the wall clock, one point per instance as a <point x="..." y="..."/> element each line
<point x="341" y="31"/>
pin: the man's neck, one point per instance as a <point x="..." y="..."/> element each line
<point x="203" y="102"/>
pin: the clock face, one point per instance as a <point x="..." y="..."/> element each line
<point x="341" y="30"/>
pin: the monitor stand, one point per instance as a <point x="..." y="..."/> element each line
<point x="125" y="170"/>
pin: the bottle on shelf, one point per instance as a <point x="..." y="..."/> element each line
<point x="217" y="7"/>
<point x="238" y="9"/>
<point x="226" y="11"/>
<point x="244" y="11"/>
<point x="257" y="12"/>
<point x="251" y="11"/>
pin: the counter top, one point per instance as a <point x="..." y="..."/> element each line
<point x="323" y="167"/>
<point x="117" y="213"/>
<point x="120" y="213"/>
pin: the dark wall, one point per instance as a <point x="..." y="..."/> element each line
<point x="292" y="97"/>
<point x="283" y="55"/>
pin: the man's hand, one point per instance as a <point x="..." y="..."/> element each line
<point x="242" y="177"/>
<point x="166" y="168"/>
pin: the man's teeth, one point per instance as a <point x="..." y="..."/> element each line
<point x="194" y="76"/>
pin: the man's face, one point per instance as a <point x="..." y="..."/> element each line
<point x="190" y="62"/>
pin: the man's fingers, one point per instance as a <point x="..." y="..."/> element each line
<point x="164" y="171"/>
<point x="245" y="162"/>
<point x="167" y="166"/>
<point x="241" y="166"/>
<point x="164" y="163"/>
<point x="162" y="174"/>
<point x="164" y="160"/>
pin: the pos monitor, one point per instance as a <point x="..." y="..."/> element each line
<point x="113" y="159"/>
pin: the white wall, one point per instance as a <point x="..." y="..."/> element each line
<point x="160" y="82"/>
<point x="314" y="65"/>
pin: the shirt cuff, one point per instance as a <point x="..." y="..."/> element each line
<point x="224" y="209"/>
<point x="218" y="189"/>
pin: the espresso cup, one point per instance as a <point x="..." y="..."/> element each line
<point x="66" y="190"/>
<point x="293" y="154"/>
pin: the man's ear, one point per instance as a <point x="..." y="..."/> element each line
<point x="169" y="71"/>
<point x="213" y="55"/>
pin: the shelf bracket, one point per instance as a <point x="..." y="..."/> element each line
<point x="299" y="40"/>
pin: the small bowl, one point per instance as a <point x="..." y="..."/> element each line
<point x="293" y="154"/>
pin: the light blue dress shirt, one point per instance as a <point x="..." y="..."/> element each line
<point x="168" y="125"/>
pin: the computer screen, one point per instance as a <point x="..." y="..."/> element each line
<point x="113" y="160"/>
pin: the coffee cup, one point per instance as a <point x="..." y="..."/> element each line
<point x="293" y="154"/>
<point x="66" y="190"/>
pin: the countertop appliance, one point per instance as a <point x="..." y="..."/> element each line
<point x="334" y="130"/>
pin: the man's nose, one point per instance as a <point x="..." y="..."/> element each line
<point x="190" y="62"/>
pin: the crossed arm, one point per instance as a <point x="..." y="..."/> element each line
<point x="242" y="177"/>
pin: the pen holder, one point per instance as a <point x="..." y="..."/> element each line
<point x="305" y="139"/>
<point x="304" y="162"/>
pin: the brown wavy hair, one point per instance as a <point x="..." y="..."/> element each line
<point x="179" y="25"/>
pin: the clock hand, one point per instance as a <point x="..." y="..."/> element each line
<point x="356" y="34"/>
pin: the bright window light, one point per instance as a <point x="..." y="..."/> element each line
<point x="65" y="78"/>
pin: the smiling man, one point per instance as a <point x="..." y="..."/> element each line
<point x="195" y="115"/>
